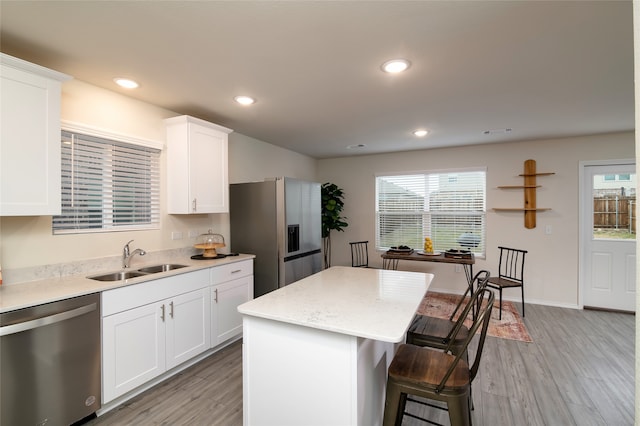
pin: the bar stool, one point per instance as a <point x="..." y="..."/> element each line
<point x="438" y="332"/>
<point x="437" y="374"/>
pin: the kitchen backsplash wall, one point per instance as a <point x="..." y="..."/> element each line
<point x="94" y="266"/>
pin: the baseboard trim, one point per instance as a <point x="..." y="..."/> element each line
<point x="616" y="311"/>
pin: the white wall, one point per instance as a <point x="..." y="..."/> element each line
<point x="552" y="265"/>
<point x="28" y="241"/>
<point x="551" y="269"/>
<point x="251" y="160"/>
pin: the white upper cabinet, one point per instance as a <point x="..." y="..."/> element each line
<point x="29" y="138"/>
<point x="197" y="171"/>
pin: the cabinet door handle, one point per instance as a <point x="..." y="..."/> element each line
<point x="171" y="309"/>
<point x="215" y="295"/>
<point x="162" y="314"/>
<point x="195" y="204"/>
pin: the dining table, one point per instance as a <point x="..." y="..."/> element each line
<point x="391" y="258"/>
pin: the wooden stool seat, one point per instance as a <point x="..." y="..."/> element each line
<point x="438" y="332"/>
<point x="434" y="332"/>
<point x="411" y="366"/>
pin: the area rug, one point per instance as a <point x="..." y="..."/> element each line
<point x="441" y="305"/>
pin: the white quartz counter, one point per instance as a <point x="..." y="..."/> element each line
<point x="22" y="295"/>
<point x="369" y="303"/>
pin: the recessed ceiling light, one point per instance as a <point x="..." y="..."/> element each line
<point x="420" y="133"/>
<point x="395" y="66"/>
<point x="356" y="146"/>
<point x="126" y="83"/>
<point x="496" y="131"/>
<point x="244" y="100"/>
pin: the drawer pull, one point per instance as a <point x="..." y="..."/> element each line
<point x="236" y="271"/>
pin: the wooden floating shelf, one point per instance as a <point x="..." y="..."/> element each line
<point x="529" y="187"/>
<point x="538" y="174"/>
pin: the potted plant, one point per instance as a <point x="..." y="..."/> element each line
<point x="332" y="206"/>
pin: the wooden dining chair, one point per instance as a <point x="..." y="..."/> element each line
<point x="436" y="374"/>
<point x="438" y="332"/>
<point x="510" y="273"/>
<point x="359" y="254"/>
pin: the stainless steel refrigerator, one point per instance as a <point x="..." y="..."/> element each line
<point x="279" y="221"/>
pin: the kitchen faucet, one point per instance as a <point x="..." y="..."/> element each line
<point x="126" y="255"/>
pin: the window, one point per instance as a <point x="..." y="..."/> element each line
<point x="108" y="184"/>
<point x="449" y="207"/>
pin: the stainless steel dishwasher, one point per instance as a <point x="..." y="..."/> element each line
<point x="50" y="363"/>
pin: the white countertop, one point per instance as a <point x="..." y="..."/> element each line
<point x="370" y="303"/>
<point x="22" y="295"/>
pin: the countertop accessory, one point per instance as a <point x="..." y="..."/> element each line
<point x="209" y="242"/>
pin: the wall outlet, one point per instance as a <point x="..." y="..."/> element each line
<point x="193" y="233"/>
<point x="176" y="235"/>
<point x="548" y="229"/>
<point x="458" y="268"/>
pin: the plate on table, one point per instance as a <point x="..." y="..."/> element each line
<point x="401" y="249"/>
<point x="424" y="253"/>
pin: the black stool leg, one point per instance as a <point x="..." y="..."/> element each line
<point x="392" y="413"/>
<point x="459" y="413"/>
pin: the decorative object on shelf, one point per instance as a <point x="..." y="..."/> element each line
<point x="209" y="242"/>
<point x="529" y="187"/>
<point x="332" y="206"/>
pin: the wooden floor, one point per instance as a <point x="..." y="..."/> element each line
<point x="579" y="370"/>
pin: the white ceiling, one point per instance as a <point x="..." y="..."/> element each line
<point x="542" y="68"/>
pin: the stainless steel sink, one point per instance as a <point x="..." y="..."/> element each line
<point x="117" y="276"/>
<point x="142" y="272"/>
<point x="161" y="268"/>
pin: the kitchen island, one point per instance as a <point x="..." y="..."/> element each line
<point x="316" y="352"/>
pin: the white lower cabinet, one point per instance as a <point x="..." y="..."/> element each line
<point x="232" y="286"/>
<point x="226" y="321"/>
<point x="152" y="327"/>
<point x="188" y="330"/>
<point x="142" y="342"/>
<point x="133" y="351"/>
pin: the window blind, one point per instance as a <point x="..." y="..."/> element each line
<point x="448" y="207"/>
<point x="107" y="185"/>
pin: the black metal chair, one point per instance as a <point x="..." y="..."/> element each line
<point x="437" y="374"/>
<point x="359" y="254"/>
<point x="510" y="273"/>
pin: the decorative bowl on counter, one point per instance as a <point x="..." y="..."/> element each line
<point x="209" y="242"/>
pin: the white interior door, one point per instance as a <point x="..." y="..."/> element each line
<point x="608" y="235"/>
